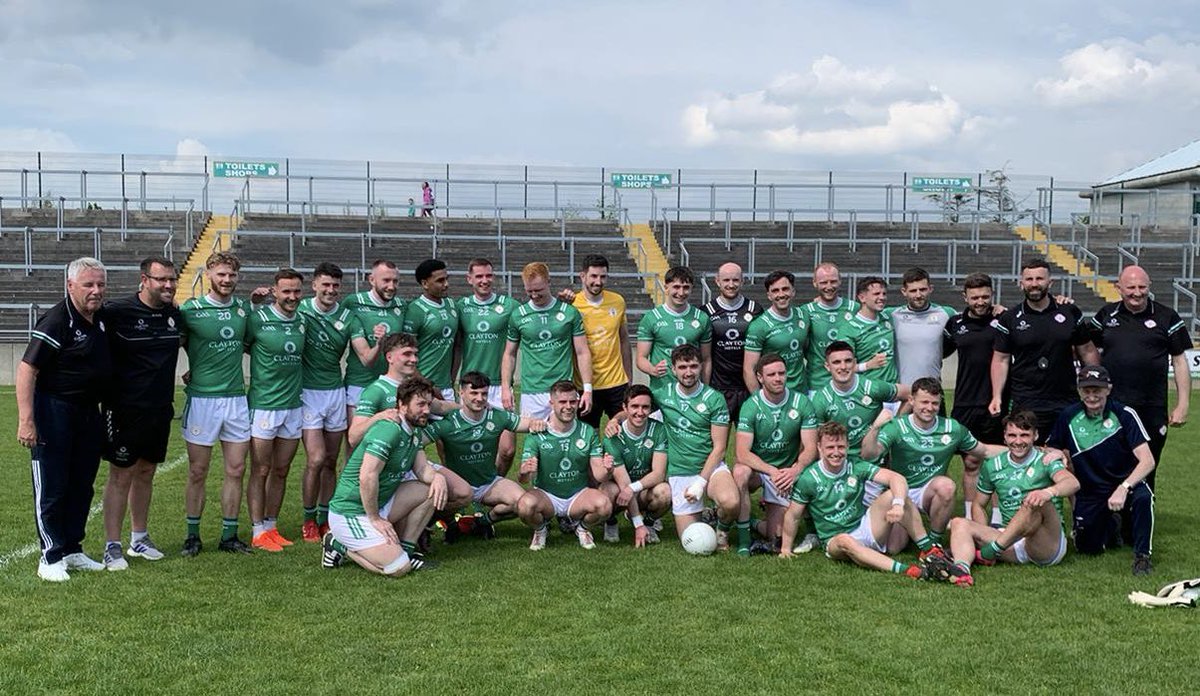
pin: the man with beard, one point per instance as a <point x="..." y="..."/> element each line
<point x="1035" y="348"/>
<point x="144" y="333"/>
<point x="603" y="313"/>
<point x="377" y="313"/>
<point x="433" y="319"/>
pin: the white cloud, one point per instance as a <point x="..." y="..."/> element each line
<point x="831" y="109"/>
<point x="1119" y="70"/>
<point x="31" y="139"/>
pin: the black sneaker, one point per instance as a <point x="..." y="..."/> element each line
<point x="484" y="530"/>
<point x="191" y="546"/>
<point x="420" y="562"/>
<point x="425" y="540"/>
<point x="936" y="567"/>
<point x="234" y="545"/>
<point x="330" y="557"/>
<point x="709" y="516"/>
<point x="453" y="533"/>
<point x="763" y="548"/>
<point x="566" y="525"/>
<point x="1142" y="564"/>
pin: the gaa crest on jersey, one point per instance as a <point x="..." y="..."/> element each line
<point x="647" y="443"/>
<point x="612" y="311"/>
<point x="793" y="414"/>
<point x="499" y="309"/>
<point x="241" y="312"/>
<point x="171" y="322"/>
<point x="1029" y="472"/>
<point x="338" y="325"/>
<point x="946" y="439"/>
<point x="852" y="481"/>
<point x="1150" y="324"/>
<point x="490" y="426"/>
<point x="747" y="317"/>
<point x="1059" y="318"/>
<point x="580" y="443"/>
<point x="1107" y="423"/>
<point x="695" y="323"/>
<point x="560" y="316"/>
<point x="701" y="408"/>
<point x="866" y="401"/>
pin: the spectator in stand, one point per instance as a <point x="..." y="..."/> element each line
<point x="426" y="200"/>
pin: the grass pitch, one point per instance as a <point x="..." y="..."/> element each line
<point x="497" y="618"/>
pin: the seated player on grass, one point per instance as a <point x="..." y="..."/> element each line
<point x="919" y="446"/>
<point x="559" y="460"/>
<point x="776" y="440"/>
<point x="639" y="454"/>
<point x="833" y="488"/>
<point x="387" y="492"/>
<point x="471" y="436"/>
<point x="1024" y="481"/>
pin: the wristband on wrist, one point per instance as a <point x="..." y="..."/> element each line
<point x="587" y="387"/>
<point x="636" y="486"/>
<point x="896" y="502"/>
<point x="638" y="521"/>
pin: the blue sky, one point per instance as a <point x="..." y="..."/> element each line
<point x="1079" y="90"/>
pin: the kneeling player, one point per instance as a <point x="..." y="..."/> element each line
<point x="776" y="440"/>
<point x="833" y="488"/>
<point x="471" y="438"/>
<point x="387" y="491"/>
<point x="562" y="457"/>
<point x="1023" y="481"/>
<point x="639" y="453"/>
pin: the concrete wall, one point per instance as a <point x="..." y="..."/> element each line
<point x="1174" y="206"/>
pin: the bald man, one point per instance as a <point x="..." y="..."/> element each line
<point x="828" y="320"/>
<point x="731" y="313"/>
<point x="1139" y="338"/>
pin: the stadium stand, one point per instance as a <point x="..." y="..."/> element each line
<point x="36" y="245"/>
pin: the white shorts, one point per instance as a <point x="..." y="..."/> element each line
<point x="352" y="394"/>
<point x="1023" y="555"/>
<point x="494" y="398"/>
<point x="771" y="494"/>
<point x="892" y="406"/>
<point x="356" y="531"/>
<point x="268" y="425"/>
<point x="873" y="490"/>
<point x="680" y="505"/>
<point x="862" y="534"/>
<point x="536" y="405"/>
<point x="562" y="506"/>
<point x="207" y="419"/>
<point x="446" y="394"/>
<point x="323" y="409"/>
<point x="411" y="475"/>
<point x="477" y="492"/>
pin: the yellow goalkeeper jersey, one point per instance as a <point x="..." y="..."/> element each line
<point x="602" y="323"/>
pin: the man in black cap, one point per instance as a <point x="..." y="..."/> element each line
<point x="1110" y="454"/>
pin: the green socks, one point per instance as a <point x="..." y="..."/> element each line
<point x="310" y="514"/>
<point x="743" y="535"/>
<point x="229" y="528"/>
<point x="926" y="542"/>
<point x="193" y="526"/>
<point x="990" y="550"/>
<point x="322" y="514"/>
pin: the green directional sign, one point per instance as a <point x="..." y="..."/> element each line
<point x="953" y="184"/>
<point x="641" y="181"/>
<point x="237" y="170"/>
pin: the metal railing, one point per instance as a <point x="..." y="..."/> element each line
<point x="98" y="235"/>
<point x="1194" y="318"/>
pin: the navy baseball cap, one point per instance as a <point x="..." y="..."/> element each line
<point x="1094" y="376"/>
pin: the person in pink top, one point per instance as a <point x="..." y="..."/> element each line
<point x="426" y="200"/>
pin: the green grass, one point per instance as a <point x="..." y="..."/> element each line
<point x="497" y="618"/>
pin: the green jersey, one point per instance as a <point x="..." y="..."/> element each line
<point x="546" y="340"/>
<point x="855" y="409"/>
<point x="471" y="446"/>
<point x="563" y="459"/>
<point x="788" y="337"/>
<point x="1011" y="481"/>
<point x="636" y="452"/>
<point x="377" y="396"/>
<point x="825" y="325"/>
<point x="664" y="329"/>
<point x="834" y="500"/>
<point x="325" y="342"/>
<point x="215" y="335"/>
<point x="776" y="427"/>
<point x="483" y="327"/>
<point x="369" y="313"/>
<point x="689" y="419"/>
<point x="434" y="325"/>
<point x="922" y="454"/>
<point x="397" y="445"/>
<point x="870" y="337"/>
<point x="276" y="343"/>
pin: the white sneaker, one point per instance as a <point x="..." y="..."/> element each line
<point x="144" y="548"/>
<point x="80" y="561"/>
<point x="53" y="572"/>
<point x="539" y="538"/>
<point x="585" y="537"/>
<point x="612" y="533"/>
<point x="808" y="543"/>
<point x="722" y="540"/>
<point x="113" y="560"/>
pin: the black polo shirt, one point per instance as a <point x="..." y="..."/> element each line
<point x="729" y="341"/>
<point x="1042" y="374"/>
<point x="973" y="338"/>
<point x="145" y="347"/>
<point x="71" y="354"/>
<point x="1137" y="350"/>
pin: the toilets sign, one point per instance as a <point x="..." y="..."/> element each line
<point x="241" y="170"/>
<point x="641" y="181"/>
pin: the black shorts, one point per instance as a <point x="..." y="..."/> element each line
<point x="734" y="398"/>
<point x="983" y="425"/>
<point x="133" y="434"/>
<point x="605" y="401"/>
